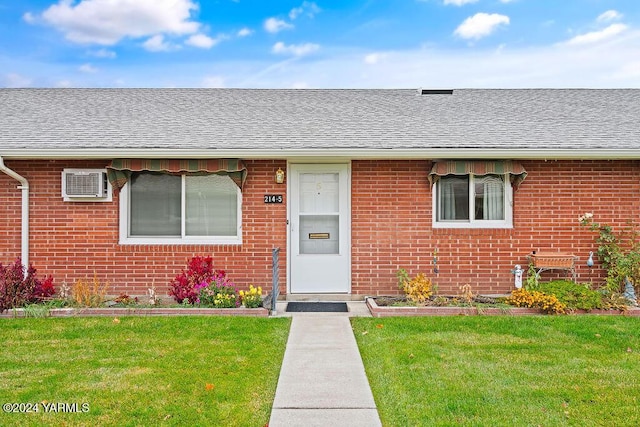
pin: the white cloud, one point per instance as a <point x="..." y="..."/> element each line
<point x="202" y="41"/>
<point x="597" y="36"/>
<point x="480" y="25"/>
<point x="307" y="8"/>
<point x="609" y="15"/>
<point x="88" y="68"/>
<point x="29" y="18"/>
<point x="459" y="2"/>
<point x="275" y="25"/>
<point x="157" y="44"/>
<point x="106" y="22"/>
<point x="373" y="58"/>
<point x="244" y="32"/>
<point x="294" y="49"/>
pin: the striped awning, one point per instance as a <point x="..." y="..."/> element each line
<point x="515" y="170"/>
<point x="119" y="171"/>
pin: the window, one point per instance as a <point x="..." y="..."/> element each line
<point x="162" y="208"/>
<point x="473" y="201"/>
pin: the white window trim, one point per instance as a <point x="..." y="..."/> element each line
<point x="125" y="239"/>
<point x="473" y="223"/>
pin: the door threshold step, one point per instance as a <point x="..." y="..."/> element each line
<point x="323" y="297"/>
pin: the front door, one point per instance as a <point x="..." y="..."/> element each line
<point x="320" y="228"/>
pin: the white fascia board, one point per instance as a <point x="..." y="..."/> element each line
<point x="333" y="153"/>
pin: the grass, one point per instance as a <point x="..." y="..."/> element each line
<point x="503" y="371"/>
<point x="142" y="370"/>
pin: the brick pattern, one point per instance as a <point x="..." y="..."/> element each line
<point x="73" y="240"/>
<point x="392" y="216"/>
<point x="391" y="228"/>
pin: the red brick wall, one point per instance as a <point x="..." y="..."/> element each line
<point x="392" y="211"/>
<point x="391" y="228"/>
<point x="73" y="240"/>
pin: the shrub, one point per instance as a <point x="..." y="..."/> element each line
<point x="402" y="276"/>
<point x="183" y="286"/>
<point x="252" y="298"/>
<point x="536" y="299"/>
<point x="574" y="296"/>
<point x="89" y="293"/>
<point x="44" y="289"/>
<point x="619" y="251"/>
<point x="613" y="300"/>
<point x="16" y="290"/>
<point x="218" y="292"/>
<point x="418" y="289"/>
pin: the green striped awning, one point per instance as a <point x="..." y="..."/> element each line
<point x="119" y="171"/>
<point x="478" y="167"/>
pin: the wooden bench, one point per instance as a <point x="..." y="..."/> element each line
<point x="543" y="261"/>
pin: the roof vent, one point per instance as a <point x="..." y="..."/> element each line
<point x="435" y="91"/>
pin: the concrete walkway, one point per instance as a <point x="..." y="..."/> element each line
<point x="322" y="380"/>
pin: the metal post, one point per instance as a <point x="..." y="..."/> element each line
<point x="275" y="274"/>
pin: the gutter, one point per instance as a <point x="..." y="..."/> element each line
<point x="24" y="186"/>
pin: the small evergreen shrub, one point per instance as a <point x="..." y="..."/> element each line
<point x="574" y="296"/>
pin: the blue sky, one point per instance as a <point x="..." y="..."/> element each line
<point x="320" y="44"/>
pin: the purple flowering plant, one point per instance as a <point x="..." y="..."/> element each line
<point x="219" y="292"/>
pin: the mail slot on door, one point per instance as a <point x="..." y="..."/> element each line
<point x="315" y="236"/>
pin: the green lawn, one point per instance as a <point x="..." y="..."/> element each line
<point x="142" y="370"/>
<point x="503" y="371"/>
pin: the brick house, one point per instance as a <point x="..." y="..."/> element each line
<point x="131" y="183"/>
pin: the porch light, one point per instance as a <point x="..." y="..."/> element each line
<point x="279" y="176"/>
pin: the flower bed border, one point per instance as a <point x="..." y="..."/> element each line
<point x="385" y="311"/>
<point x="132" y="311"/>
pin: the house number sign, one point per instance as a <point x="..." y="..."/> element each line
<point x="273" y="198"/>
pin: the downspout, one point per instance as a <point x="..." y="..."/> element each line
<point x="24" y="186"/>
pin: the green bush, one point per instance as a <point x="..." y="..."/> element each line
<point x="618" y="251"/>
<point x="575" y="296"/>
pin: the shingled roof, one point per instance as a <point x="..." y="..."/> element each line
<point x="369" y="123"/>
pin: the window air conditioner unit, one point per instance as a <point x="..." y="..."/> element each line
<point x="85" y="185"/>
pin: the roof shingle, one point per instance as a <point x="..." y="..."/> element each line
<point x="286" y="120"/>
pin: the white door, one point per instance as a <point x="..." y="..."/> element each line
<point x="320" y="228"/>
